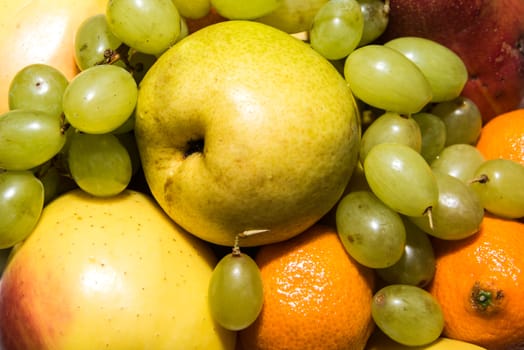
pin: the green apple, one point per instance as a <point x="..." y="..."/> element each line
<point x="241" y="126"/>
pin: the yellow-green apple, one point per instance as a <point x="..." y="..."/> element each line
<point x="108" y="273"/>
<point x="40" y="31"/>
<point x="241" y="126"/>
<point x="487" y="34"/>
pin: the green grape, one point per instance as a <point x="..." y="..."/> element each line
<point x="99" y="164"/>
<point x="376" y="19"/>
<point x="498" y="182"/>
<point x="184" y="29"/>
<point x="462" y="118"/>
<point x="433" y="133"/>
<point x="371" y="232"/>
<point x="29" y="138"/>
<point x="50" y="178"/>
<point x="407" y="314"/>
<point x="147" y="26"/>
<point x="235" y="291"/>
<point x="384" y="78"/>
<point x="38" y="87"/>
<point x="443" y="68"/>
<point x="458" y="213"/>
<point x="337" y="29"/>
<point x="93" y="39"/>
<point x="241" y="9"/>
<point x="129" y="125"/>
<point x="293" y="16"/>
<point x="458" y="160"/>
<point x="358" y="181"/>
<point x="416" y="266"/>
<point x="21" y="203"/>
<point x="128" y="140"/>
<point x="140" y="63"/>
<point x="401" y="178"/>
<point x="393" y="128"/>
<point x="4" y="258"/>
<point x="100" y="99"/>
<point x="193" y="9"/>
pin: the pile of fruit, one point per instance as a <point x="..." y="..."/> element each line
<point x="271" y="174"/>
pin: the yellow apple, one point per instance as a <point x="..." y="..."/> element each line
<point x="108" y="273"/>
<point x="40" y="31"/>
<point x="241" y="126"/>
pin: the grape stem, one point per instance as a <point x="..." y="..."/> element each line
<point x="428" y="212"/>
<point x="482" y="179"/>
<point x="244" y="234"/>
<point x="122" y="53"/>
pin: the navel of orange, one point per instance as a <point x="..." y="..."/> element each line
<point x="479" y="284"/>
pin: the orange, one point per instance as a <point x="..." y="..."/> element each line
<point x="503" y="137"/>
<point x="315" y="296"/>
<point x="479" y="283"/>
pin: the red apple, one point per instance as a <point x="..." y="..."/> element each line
<point x="487" y="34"/>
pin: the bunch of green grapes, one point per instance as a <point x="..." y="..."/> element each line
<point x="423" y="176"/>
<point x="59" y="134"/>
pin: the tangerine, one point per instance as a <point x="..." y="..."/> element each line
<point x="479" y="284"/>
<point x="315" y="296"/>
<point x="503" y="137"/>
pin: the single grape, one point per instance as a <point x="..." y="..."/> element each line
<point x="394" y="128"/>
<point x="148" y="26"/>
<point x="498" y="182"/>
<point x="293" y="16"/>
<point x="358" y="181"/>
<point x="337" y="29"/>
<point x="376" y="19"/>
<point x="128" y="140"/>
<point x="4" y="258"/>
<point x="462" y="118"/>
<point x="38" y="87"/>
<point x="140" y="63"/>
<point x="458" y="160"/>
<point x="129" y="125"/>
<point x="384" y="78"/>
<point x="100" y="99"/>
<point x="401" y="178"/>
<point x="240" y="9"/>
<point x="372" y="233"/>
<point x="416" y="266"/>
<point x="50" y="178"/>
<point x="29" y="138"/>
<point x="99" y="164"/>
<point x="21" y="204"/>
<point x="444" y="69"/>
<point x="458" y="213"/>
<point x="235" y="291"/>
<point x="193" y="9"/>
<point x="433" y="135"/>
<point x="407" y="314"/>
<point x="184" y="29"/>
<point x="93" y="39"/>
